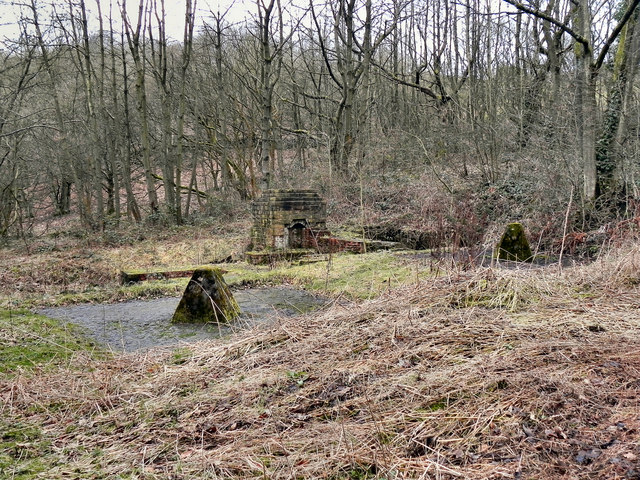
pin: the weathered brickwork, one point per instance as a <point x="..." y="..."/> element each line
<point x="332" y="245"/>
<point x="286" y="219"/>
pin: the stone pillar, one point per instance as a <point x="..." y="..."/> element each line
<point x="207" y="299"/>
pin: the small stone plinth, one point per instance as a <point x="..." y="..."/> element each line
<point x="513" y="245"/>
<point x="207" y="298"/>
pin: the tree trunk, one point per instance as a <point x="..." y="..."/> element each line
<point x="267" y="85"/>
<point x="608" y="163"/>
<point x="132" y="205"/>
<point x="139" y="58"/>
<point x="95" y="157"/>
<point x="187" y="47"/>
<point x="586" y="106"/>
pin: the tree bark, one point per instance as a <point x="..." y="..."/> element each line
<point x="139" y="58"/>
<point x="132" y="205"/>
<point x="608" y="163"/>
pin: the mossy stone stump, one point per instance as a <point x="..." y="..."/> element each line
<point x="207" y="298"/>
<point x="513" y="245"/>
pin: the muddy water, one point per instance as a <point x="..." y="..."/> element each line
<point x="142" y="324"/>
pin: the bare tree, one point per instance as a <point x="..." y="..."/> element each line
<point x="16" y="67"/>
<point x="135" y="40"/>
<point x="187" y="49"/>
<point x="589" y="63"/>
<point x="272" y="41"/>
<point x="348" y="56"/>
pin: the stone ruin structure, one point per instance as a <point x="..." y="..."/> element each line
<point x="288" y="219"/>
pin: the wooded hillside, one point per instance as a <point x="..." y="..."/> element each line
<point x="478" y="106"/>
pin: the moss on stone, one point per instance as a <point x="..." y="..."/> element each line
<point x="513" y="245"/>
<point x="207" y="298"/>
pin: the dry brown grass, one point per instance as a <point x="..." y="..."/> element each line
<point x="481" y="375"/>
<point x="53" y="266"/>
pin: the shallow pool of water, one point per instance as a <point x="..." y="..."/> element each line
<point x="142" y="324"/>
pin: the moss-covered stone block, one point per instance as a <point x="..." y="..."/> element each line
<point x="207" y="298"/>
<point x="514" y="245"/>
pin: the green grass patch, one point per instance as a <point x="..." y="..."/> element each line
<point x="181" y="355"/>
<point x="26" y="453"/>
<point x="157" y="270"/>
<point x="356" y="276"/>
<point x="21" y="450"/>
<point x="357" y="472"/>
<point x="28" y="340"/>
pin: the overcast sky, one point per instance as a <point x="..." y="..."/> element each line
<point x="238" y="10"/>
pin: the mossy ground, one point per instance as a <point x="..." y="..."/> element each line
<point x="30" y="341"/>
<point x="361" y="276"/>
<point x="23" y="451"/>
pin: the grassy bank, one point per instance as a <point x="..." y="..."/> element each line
<point x="482" y="373"/>
<point x="59" y="270"/>
<point x="33" y="341"/>
<point x="427" y="381"/>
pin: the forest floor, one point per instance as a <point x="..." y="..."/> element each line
<point x="433" y="370"/>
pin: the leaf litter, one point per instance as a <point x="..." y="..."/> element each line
<point x="485" y="374"/>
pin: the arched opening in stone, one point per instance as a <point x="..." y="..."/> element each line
<point x="296" y="233"/>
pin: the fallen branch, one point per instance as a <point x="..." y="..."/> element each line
<point x="184" y="188"/>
